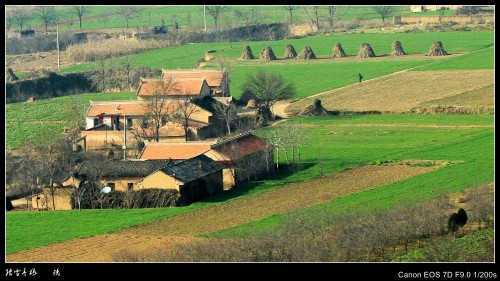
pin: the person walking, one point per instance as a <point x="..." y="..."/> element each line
<point x="360" y="77"/>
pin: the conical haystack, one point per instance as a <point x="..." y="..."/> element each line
<point x="10" y="75"/>
<point x="247" y="53"/>
<point x="306" y="54"/>
<point x="290" y="52"/>
<point x="267" y="54"/>
<point x="366" y="51"/>
<point x="315" y="109"/>
<point x="338" y="52"/>
<point x="397" y="49"/>
<point x="437" y="49"/>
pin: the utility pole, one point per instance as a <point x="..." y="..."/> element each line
<point x="124" y="137"/>
<point x="57" y="39"/>
<point x="205" y="16"/>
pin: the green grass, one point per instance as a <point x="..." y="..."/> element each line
<point x="341" y="151"/>
<point x="482" y="59"/>
<point x="34" y="229"/>
<point x="42" y="119"/>
<point x="473" y="146"/>
<point x="469" y="247"/>
<point x="186" y="56"/>
<point x="192" y="16"/>
<point x="315" y="76"/>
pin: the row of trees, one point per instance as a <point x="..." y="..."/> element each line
<point x="48" y="15"/>
<point x="34" y="167"/>
<point x="246" y="17"/>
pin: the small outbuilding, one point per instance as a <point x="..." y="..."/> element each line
<point x="195" y="179"/>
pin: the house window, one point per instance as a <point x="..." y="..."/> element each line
<point x="130" y="186"/>
<point x="111" y="184"/>
<point x="164" y="120"/>
<point x="129" y="122"/>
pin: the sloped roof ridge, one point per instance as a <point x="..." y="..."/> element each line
<point x="231" y="139"/>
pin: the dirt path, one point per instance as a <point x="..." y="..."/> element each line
<point x="97" y="249"/>
<point x="180" y="229"/>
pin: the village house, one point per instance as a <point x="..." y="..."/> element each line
<point x="113" y="122"/>
<point x="245" y="156"/>
<point x="181" y="88"/>
<point x="421" y="8"/>
<point x="195" y="179"/>
<point x="217" y="80"/>
<point x="117" y="174"/>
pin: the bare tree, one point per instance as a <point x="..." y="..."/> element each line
<point x="24" y="173"/>
<point x="226" y="78"/>
<point x="331" y="11"/>
<point x="102" y="74"/>
<point x="21" y="19"/>
<point x="290" y="9"/>
<point x="215" y="12"/>
<point x="314" y="18"/>
<point x="128" y="13"/>
<point x="48" y="15"/>
<point x="384" y="11"/>
<point x="226" y="113"/>
<point x="80" y="12"/>
<point x="185" y="108"/>
<point x="268" y="87"/>
<point x="127" y="67"/>
<point x="59" y="162"/>
<point x="249" y="17"/>
<point x="158" y="110"/>
<point x="9" y="21"/>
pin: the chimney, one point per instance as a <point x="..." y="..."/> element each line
<point x="200" y="165"/>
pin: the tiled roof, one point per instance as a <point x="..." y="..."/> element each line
<point x="120" y="169"/>
<point x="175" y="151"/>
<point x="191" y="123"/>
<point x="179" y="87"/>
<point x="242" y="146"/>
<point x="135" y="108"/>
<point x="213" y="77"/>
<point x="129" y="108"/>
<point x="193" y="168"/>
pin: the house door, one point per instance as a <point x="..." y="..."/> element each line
<point x="96" y="121"/>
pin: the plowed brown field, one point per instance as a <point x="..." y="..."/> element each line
<point x="401" y="91"/>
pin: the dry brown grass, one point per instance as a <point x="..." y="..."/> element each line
<point x="404" y="91"/>
<point x="105" y="49"/>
